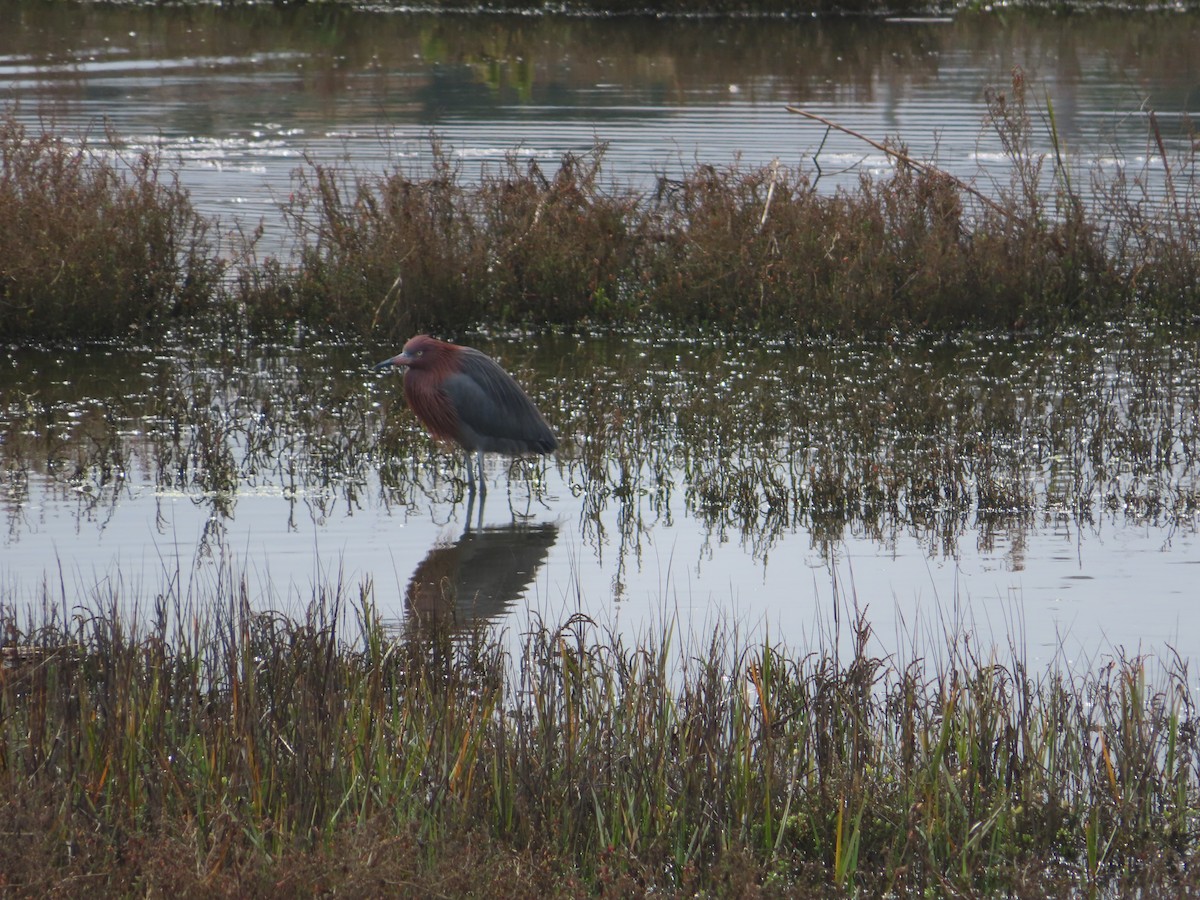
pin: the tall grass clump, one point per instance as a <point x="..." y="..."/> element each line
<point x="1156" y="235"/>
<point x="758" y="247"/>
<point x="763" y="246"/>
<point x="561" y="246"/>
<point x="915" y="248"/>
<point x="399" y="252"/>
<point x="94" y="248"/>
<point x="91" y="247"/>
<point x="203" y="745"/>
<point x="376" y="250"/>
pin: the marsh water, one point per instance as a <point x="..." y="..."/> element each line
<point x="1039" y="491"/>
<point x="241" y="97"/>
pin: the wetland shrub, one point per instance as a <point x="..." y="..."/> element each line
<point x="389" y="254"/>
<point x="739" y="247"/>
<point x="393" y="254"/>
<point x="562" y="247"/>
<point x="90" y="248"/>
<point x="94" y="245"/>
<point x="762" y="247"/>
<point x="208" y="746"/>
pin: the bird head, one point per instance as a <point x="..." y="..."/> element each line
<point x="419" y="352"/>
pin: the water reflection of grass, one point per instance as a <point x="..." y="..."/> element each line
<point x="928" y="437"/>
<point x="207" y="747"/>
<point x="884" y="437"/>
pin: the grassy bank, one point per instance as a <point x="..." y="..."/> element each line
<point x="739" y="247"/>
<point x="94" y="244"/>
<point x="384" y="255"/>
<point x="202" y="747"/>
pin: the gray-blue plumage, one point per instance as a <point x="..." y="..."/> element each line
<point x="464" y="396"/>
<point x="494" y="414"/>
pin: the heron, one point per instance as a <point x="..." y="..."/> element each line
<point x="462" y="395"/>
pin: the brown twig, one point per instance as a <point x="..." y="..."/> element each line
<point x="395" y="285"/>
<point x="762" y="223"/>
<point x="1168" y="180"/>
<point x="908" y="160"/>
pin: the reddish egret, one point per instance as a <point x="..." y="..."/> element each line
<point x="464" y="396"/>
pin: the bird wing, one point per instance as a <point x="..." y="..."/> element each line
<point x="493" y="412"/>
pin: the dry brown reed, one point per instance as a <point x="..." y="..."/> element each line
<point x="745" y="248"/>
<point x="94" y="244"/>
<point x="94" y="248"/>
<point x="202" y="745"/>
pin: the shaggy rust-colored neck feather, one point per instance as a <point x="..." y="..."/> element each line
<point x="422" y="385"/>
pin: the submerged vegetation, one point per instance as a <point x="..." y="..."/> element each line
<point x="387" y="254"/>
<point x="937" y="439"/>
<point x="225" y="751"/>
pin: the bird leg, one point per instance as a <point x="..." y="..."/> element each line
<point x="471" y="466"/>
<point x="471" y="513"/>
<point x="472" y="522"/>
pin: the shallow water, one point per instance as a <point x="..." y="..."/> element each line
<point x="240" y="97"/>
<point x="1041" y="493"/>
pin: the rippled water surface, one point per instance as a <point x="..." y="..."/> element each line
<point x="1037" y="491"/>
<point x="1041" y="491"/>
<point x="240" y="96"/>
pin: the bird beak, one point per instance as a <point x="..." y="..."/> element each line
<point x="400" y="360"/>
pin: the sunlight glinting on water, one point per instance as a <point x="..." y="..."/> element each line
<point x="237" y="100"/>
<point x="637" y="539"/>
<point x="202" y="92"/>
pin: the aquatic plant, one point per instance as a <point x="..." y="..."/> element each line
<point x="202" y="744"/>
<point x="94" y="244"/>
<point x="934" y="438"/>
<point x="743" y="247"/>
<point x="399" y="253"/>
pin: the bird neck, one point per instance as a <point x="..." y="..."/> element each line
<point x="429" y="403"/>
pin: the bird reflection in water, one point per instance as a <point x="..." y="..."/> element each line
<point x="479" y="576"/>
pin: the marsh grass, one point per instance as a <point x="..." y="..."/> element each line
<point x="94" y="248"/>
<point x="395" y="253"/>
<point x="945" y="441"/>
<point x="748" y="247"/>
<point x="202" y="745"/>
<point x="95" y="245"/>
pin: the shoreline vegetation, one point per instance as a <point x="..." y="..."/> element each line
<point x="199" y="747"/>
<point x="206" y="749"/>
<point x="384" y="255"/>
